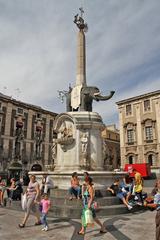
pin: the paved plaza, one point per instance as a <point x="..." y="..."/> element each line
<point x="132" y="226"/>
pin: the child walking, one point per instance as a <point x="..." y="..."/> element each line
<point x="45" y="203"/>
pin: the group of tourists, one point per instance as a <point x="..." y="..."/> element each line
<point x="37" y="198"/>
<point x="86" y="192"/>
<point x="124" y="190"/>
<point x="10" y="191"/>
<point x="127" y="190"/>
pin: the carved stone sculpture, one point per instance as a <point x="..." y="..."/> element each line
<point x="38" y="139"/>
<point x="18" y="140"/>
<point x="84" y="141"/>
<point x="54" y="149"/>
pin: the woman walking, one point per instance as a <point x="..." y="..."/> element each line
<point x="33" y="194"/>
<point x="88" y="203"/>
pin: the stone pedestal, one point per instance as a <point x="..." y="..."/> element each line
<point x="79" y="142"/>
<point x="101" y="179"/>
<point x="78" y="147"/>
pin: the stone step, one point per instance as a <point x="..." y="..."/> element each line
<point x="147" y="190"/>
<point x="149" y="183"/>
<point x="66" y="211"/>
<point x="74" y="212"/>
<point x="105" y="201"/>
<point x="64" y="193"/>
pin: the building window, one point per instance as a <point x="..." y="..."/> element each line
<point x="128" y="109"/>
<point x="149" y="133"/>
<point x="0" y="123"/>
<point x="130" y="136"/>
<point x="20" y="110"/>
<point x="147" y="106"/>
<point x="39" y="115"/>
<point x="0" y="105"/>
<point x="130" y="159"/>
<point x="150" y="159"/>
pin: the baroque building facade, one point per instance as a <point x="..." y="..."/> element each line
<point x="111" y="147"/>
<point x="26" y="133"/>
<point x="139" y="119"/>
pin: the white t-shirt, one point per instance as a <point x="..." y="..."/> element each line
<point x="49" y="181"/>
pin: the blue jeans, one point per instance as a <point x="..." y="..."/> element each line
<point x="121" y="195"/>
<point x="44" y="219"/>
<point x="76" y="191"/>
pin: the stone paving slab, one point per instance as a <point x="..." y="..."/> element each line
<point x="136" y="226"/>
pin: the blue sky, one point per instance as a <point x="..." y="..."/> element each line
<point x="38" y="50"/>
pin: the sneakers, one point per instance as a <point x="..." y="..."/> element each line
<point x="45" y="229"/>
<point x="139" y="204"/>
<point x="129" y="207"/>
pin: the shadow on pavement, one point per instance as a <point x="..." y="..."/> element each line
<point x="116" y="233"/>
<point x="109" y="225"/>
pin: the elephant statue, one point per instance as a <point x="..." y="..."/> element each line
<point x="88" y="94"/>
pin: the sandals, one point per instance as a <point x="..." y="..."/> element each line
<point x="21" y="225"/>
<point x="80" y="233"/>
<point x="102" y="231"/>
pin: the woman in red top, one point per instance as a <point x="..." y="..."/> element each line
<point x="11" y="189"/>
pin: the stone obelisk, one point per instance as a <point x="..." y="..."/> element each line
<point x="82" y="96"/>
<point x="81" y="58"/>
<point x="76" y="96"/>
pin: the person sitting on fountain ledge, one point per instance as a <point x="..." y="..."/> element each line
<point x="75" y="186"/>
<point x="46" y="184"/>
<point x="117" y="191"/>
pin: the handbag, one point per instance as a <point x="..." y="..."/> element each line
<point x="95" y="205"/>
<point x="24" y="201"/>
<point x="89" y="218"/>
<point x="149" y="200"/>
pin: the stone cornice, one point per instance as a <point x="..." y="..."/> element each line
<point x="5" y="98"/>
<point x="146" y="95"/>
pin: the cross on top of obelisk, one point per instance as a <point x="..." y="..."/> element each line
<point x="79" y="21"/>
<point x="82" y="11"/>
